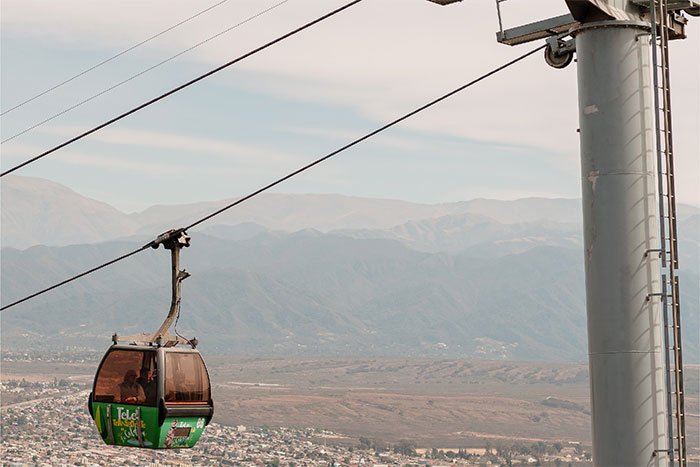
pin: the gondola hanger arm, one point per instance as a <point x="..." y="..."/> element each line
<point x="173" y="240"/>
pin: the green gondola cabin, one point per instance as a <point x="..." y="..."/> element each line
<point x="153" y="390"/>
<point x="152" y="397"/>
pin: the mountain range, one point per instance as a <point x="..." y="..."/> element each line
<point x="314" y="275"/>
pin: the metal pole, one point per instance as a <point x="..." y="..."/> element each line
<point x="668" y="342"/>
<point x="657" y="132"/>
<point x="173" y="240"/>
<point x="623" y="284"/>
<point x="175" y="293"/>
<point x="498" y="11"/>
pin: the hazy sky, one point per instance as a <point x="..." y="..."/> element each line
<point x="511" y="136"/>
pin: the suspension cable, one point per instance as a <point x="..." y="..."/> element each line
<point x="141" y="73"/>
<point x="182" y="86"/>
<point x="4" y="112"/>
<point x="78" y="276"/>
<point x="156" y="242"/>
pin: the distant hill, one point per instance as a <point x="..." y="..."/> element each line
<point x="476" y="233"/>
<point x="323" y="212"/>
<point x="311" y="293"/>
<point x="316" y="275"/>
<point x="317" y="294"/>
<point x="526" y="210"/>
<point x="40" y="212"/>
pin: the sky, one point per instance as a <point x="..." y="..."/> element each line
<point x="508" y="137"/>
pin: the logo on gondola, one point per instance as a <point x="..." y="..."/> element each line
<point x="126" y="418"/>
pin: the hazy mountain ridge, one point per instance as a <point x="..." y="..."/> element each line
<point x="450" y="281"/>
<point x="460" y="232"/>
<point x="318" y="294"/>
<point x="303" y="294"/>
<point x="40" y="212"/>
<point x="36" y="211"/>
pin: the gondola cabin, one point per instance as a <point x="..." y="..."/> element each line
<point x="151" y="397"/>
<point x="151" y="390"/>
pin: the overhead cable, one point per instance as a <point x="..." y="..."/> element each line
<point x="181" y="87"/>
<point x="290" y="175"/>
<point x="4" y="112"/>
<point x="78" y="276"/>
<point x="141" y="73"/>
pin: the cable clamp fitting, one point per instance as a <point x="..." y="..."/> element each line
<point x="174" y="238"/>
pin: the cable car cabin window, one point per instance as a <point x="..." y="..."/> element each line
<point x="123" y="378"/>
<point x="186" y="379"/>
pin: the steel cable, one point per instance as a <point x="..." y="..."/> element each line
<point x="296" y="172"/>
<point x="103" y="62"/>
<point x="141" y="73"/>
<point x="181" y="87"/>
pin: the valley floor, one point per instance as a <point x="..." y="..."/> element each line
<point x="375" y="406"/>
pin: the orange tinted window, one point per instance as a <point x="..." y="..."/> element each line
<point x="186" y="378"/>
<point x="117" y="377"/>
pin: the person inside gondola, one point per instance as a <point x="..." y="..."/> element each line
<point x="129" y="391"/>
<point x="147" y="382"/>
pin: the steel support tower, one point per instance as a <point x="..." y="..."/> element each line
<point x="618" y="160"/>
<point x="623" y="228"/>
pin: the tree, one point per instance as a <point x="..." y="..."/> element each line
<point x="500" y="449"/>
<point x="405" y="447"/>
<point x="507" y="456"/>
<point x="539" y="448"/>
<point x="365" y="443"/>
<point x="524" y="449"/>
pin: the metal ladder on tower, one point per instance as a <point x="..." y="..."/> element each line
<point x="669" y="245"/>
